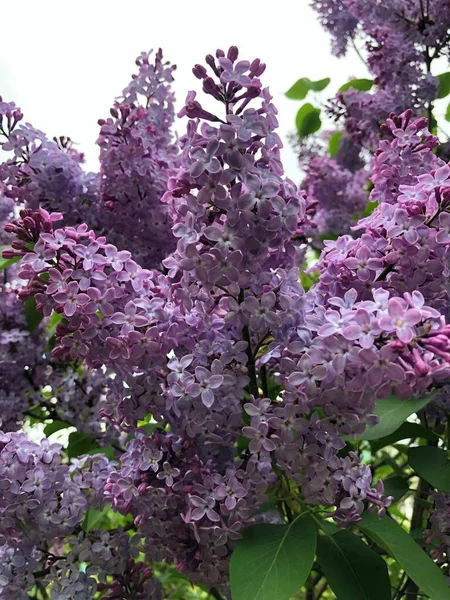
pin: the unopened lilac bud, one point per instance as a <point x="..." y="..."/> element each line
<point x="199" y="71"/>
<point x="8" y="253"/>
<point x="210" y="87"/>
<point x="233" y="53"/>
<point x="420" y="367"/>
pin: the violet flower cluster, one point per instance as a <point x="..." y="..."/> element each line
<point x="438" y="535"/>
<point x="44" y="172"/>
<point x="337" y="187"/>
<point x="42" y="506"/>
<point x="136" y="158"/>
<point x="404" y="244"/>
<point x="402" y="41"/>
<point x="198" y="346"/>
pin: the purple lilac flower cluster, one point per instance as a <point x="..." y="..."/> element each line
<point x="338" y="187"/>
<point x="404" y="244"/>
<point x="402" y="38"/>
<point x="193" y="346"/>
<point x="72" y="394"/>
<point x="42" y="506"/>
<point x="22" y="363"/>
<point x="39" y="502"/>
<point x="136" y="158"/>
<point x="43" y="172"/>
<point x="438" y="535"/>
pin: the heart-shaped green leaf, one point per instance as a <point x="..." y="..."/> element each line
<point x="353" y="570"/>
<point x="302" y="86"/>
<point x="308" y="120"/>
<point x="273" y="561"/>
<point x="362" y="85"/>
<point x="409" y="555"/>
<point x="392" y="412"/>
<point x="432" y="464"/>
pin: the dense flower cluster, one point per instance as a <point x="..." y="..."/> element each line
<point x="195" y="346"/>
<point x="136" y="158"/>
<point x="43" y="172"/>
<point x="402" y="38"/>
<point x="438" y="536"/>
<point x="337" y="186"/>
<point x="404" y="245"/>
<point x="39" y="502"/>
<point x="22" y="363"/>
<point x="42" y="507"/>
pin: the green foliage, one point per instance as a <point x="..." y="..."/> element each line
<point x="402" y="547"/>
<point x="7" y="262"/>
<point x="80" y="443"/>
<point x="406" y="431"/>
<point x="309" y="279"/>
<point x="353" y="570"/>
<point x="432" y="464"/>
<point x="32" y="315"/>
<point x="300" y="89"/>
<point x="94" y="519"/>
<point x="362" y="85"/>
<point x="108" y="451"/>
<point x="334" y="143"/>
<point x="444" y="85"/>
<point x="396" y="486"/>
<point x="52" y="323"/>
<point x="392" y="412"/>
<point x="447" y="113"/>
<point x="55" y="426"/>
<point x="273" y="561"/>
<point x="308" y="120"/>
<point x="371" y="206"/>
<point x="177" y="587"/>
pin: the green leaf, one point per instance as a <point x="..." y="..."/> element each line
<point x="392" y="412"/>
<point x="444" y="85"/>
<point x="273" y="561"/>
<point x="32" y="315"/>
<point x="353" y="570"/>
<point x="55" y="426"/>
<point x="80" y="443"/>
<point x="320" y="84"/>
<point x="401" y="546"/>
<point x="108" y="451"/>
<point x="395" y="486"/>
<point x="406" y="431"/>
<point x="52" y="323"/>
<point x="7" y="262"/>
<point x="307" y="120"/>
<point x="94" y="518"/>
<point x="432" y="464"/>
<point x="363" y="85"/>
<point x="334" y="143"/>
<point x="301" y="87"/>
<point x="447" y="113"/>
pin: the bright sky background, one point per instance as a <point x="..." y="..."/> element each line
<point x="64" y="62"/>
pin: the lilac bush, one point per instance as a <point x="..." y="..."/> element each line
<point x="157" y="308"/>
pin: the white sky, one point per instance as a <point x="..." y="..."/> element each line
<point x="64" y="61"/>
